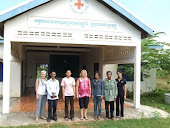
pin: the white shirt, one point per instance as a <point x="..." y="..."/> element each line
<point x="42" y="87"/>
<point x="53" y="89"/>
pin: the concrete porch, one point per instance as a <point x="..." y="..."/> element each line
<point x="27" y="118"/>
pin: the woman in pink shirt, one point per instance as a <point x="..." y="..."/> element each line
<point x="83" y="93"/>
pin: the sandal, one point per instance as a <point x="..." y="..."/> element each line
<point x="86" y="117"/>
<point x="81" y="118"/>
<point x="43" y="118"/>
<point x="36" y="120"/>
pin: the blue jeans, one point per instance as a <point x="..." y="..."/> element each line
<point x="97" y="104"/>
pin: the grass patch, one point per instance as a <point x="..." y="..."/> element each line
<point x="58" y="125"/>
<point x="156" y="97"/>
<point x="129" y="123"/>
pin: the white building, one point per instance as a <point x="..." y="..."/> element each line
<point x="76" y="34"/>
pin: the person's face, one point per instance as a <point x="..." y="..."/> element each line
<point x="68" y="73"/>
<point x="96" y="76"/>
<point x="83" y="74"/>
<point x="109" y="75"/>
<point x="119" y="74"/>
<point x="53" y="75"/>
<point x="43" y="75"/>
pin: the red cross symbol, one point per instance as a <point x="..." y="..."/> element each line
<point x="79" y="4"/>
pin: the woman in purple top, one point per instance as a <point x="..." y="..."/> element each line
<point x="83" y="93"/>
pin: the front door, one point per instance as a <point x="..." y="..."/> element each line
<point x="61" y="63"/>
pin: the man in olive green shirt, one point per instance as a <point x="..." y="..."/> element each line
<point x="110" y="94"/>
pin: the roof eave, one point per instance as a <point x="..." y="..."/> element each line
<point x="145" y="30"/>
<point x="22" y="9"/>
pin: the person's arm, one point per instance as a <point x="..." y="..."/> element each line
<point x="116" y="91"/>
<point x="74" y="91"/>
<point x="74" y="84"/>
<point x="63" y="92"/>
<point x="62" y="84"/>
<point x="49" y="89"/>
<point x="77" y="87"/>
<point x="36" y="89"/>
<point x="102" y="88"/>
<point x="90" y="87"/>
<point x="125" y="90"/>
<point x="58" y="88"/>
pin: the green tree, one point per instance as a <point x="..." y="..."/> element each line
<point x="151" y="58"/>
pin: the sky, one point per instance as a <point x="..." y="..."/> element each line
<point x="154" y="13"/>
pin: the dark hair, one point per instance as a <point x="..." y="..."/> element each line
<point x="109" y="72"/>
<point x="96" y="73"/>
<point x="53" y="71"/>
<point x="120" y="71"/>
<point x="68" y="70"/>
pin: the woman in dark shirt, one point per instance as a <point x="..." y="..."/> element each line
<point x="121" y="86"/>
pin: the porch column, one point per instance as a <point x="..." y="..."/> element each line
<point x="137" y="75"/>
<point x="6" y="75"/>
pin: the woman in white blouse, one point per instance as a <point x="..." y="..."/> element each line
<point x="41" y="96"/>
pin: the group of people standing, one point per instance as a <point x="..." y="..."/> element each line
<point x="109" y="90"/>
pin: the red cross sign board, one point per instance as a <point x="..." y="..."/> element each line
<point x="79" y="6"/>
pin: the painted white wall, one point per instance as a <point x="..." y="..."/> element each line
<point x="1" y="51"/>
<point x="88" y="59"/>
<point x="1" y="88"/>
<point x="147" y="85"/>
<point x="110" y="67"/>
<point x="61" y="9"/>
<point x="15" y="81"/>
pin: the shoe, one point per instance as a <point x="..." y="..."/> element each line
<point x="112" y="118"/>
<point x="72" y="119"/>
<point x="106" y="118"/>
<point x="121" y="117"/>
<point x="117" y="116"/>
<point x="55" y="119"/>
<point x="36" y="120"/>
<point x="98" y="118"/>
<point x="66" y="119"/>
<point x="48" y="120"/>
<point x="95" y="118"/>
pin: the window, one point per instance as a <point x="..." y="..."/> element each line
<point x="1" y="71"/>
<point x="128" y="71"/>
<point x="41" y="67"/>
<point x="96" y="67"/>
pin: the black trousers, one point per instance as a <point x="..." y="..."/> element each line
<point x="71" y="100"/>
<point x="52" y="108"/>
<point x="120" y="100"/>
<point x="111" y="103"/>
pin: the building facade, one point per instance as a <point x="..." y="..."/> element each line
<point x="95" y="35"/>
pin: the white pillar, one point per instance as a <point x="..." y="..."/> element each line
<point x="6" y="76"/>
<point x="137" y="75"/>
